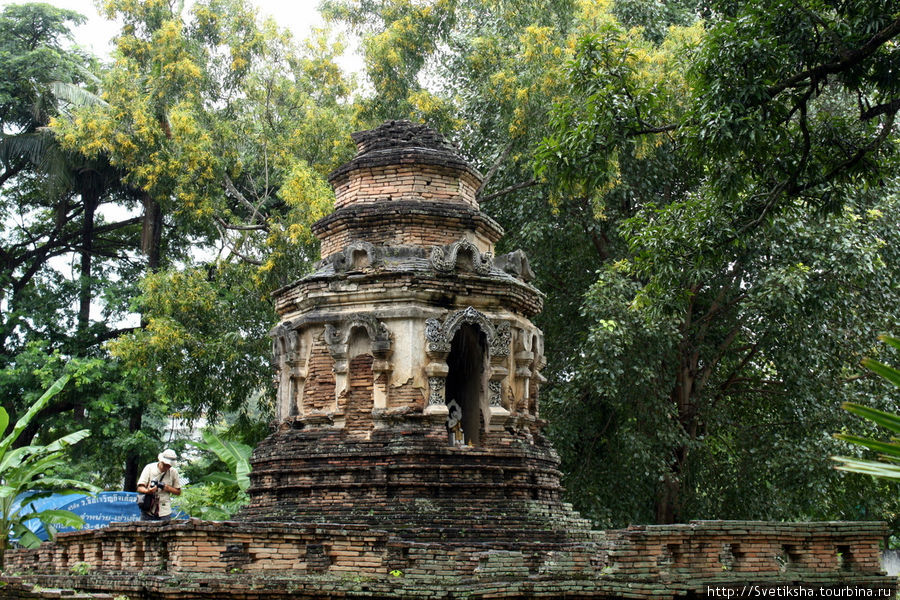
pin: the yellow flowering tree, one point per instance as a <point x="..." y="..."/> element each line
<point x="227" y="126"/>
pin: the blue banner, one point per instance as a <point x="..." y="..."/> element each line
<point x="97" y="511"/>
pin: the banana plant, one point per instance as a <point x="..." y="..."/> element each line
<point x="888" y="450"/>
<point x="219" y="495"/>
<point x="236" y="457"/>
<point x="26" y="475"/>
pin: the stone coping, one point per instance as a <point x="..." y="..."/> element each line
<point x="249" y="561"/>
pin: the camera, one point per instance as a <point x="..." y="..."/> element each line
<point x="156" y="484"/>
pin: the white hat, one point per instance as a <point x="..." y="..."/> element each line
<point x="167" y="456"/>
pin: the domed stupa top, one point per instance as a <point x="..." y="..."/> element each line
<point x="407" y="185"/>
<point x="400" y="135"/>
<point x="401" y="160"/>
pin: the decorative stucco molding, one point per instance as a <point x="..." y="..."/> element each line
<point x="439" y="335"/>
<point x="446" y="258"/>
<point x="495" y="398"/>
<point x="355" y="256"/>
<point x="516" y="264"/>
<point x="285" y="343"/>
<point x="436" y="391"/>
<point x="337" y="336"/>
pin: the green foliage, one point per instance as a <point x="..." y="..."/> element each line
<point x="55" y="319"/>
<point x="397" y="38"/>
<point x="751" y="219"/>
<point x="236" y="457"/>
<point x="30" y="471"/>
<point x="206" y="338"/>
<point x="211" y="501"/>
<point x="889" y="450"/>
<point x="32" y="56"/>
<point x="97" y="398"/>
<point x="221" y="493"/>
<point x="230" y="126"/>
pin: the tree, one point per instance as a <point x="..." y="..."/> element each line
<point x="227" y="127"/>
<point x="751" y="264"/>
<point x="52" y="199"/>
<point x="27" y="474"/>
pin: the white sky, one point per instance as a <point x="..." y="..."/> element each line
<point x="299" y="16"/>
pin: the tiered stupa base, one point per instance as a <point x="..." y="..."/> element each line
<point x="406" y="478"/>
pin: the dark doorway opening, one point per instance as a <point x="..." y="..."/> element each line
<point x="466" y="383"/>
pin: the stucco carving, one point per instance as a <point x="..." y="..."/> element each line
<point x="495" y="399"/>
<point x="359" y="255"/>
<point x="285" y="343"/>
<point x="445" y="258"/>
<point x="435" y="390"/>
<point x="355" y="256"/>
<point x="434" y="336"/>
<point x="439" y="335"/>
<point x="338" y="336"/>
<point x="499" y="346"/>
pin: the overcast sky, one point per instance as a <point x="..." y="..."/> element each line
<point x="95" y="35"/>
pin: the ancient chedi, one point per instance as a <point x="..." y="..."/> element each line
<point x="407" y="459"/>
<point x="408" y="367"/>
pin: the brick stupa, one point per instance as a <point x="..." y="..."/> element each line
<point x="407" y="459"/>
<point x="409" y="370"/>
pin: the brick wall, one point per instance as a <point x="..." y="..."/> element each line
<point x="196" y="559"/>
<point x="358" y="402"/>
<point x="319" y="389"/>
<point x="406" y="395"/>
<point x="406" y="182"/>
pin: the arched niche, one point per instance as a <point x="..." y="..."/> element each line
<point x="353" y="336"/>
<point x="493" y="337"/>
<point x="290" y="353"/>
<point x="468" y="369"/>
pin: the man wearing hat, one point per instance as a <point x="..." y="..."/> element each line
<point x="162" y="481"/>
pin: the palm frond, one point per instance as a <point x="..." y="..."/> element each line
<point x="75" y="95"/>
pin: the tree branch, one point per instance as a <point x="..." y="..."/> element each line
<point x="234" y="250"/>
<point x="886" y="130"/>
<point x="646" y="130"/>
<point x="510" y="189"/>
<point x="233" y="191"/>
<point x="847" y="60"/>
<point x="226" y="225"/>
<point x="493" y="170"/>
<point x="881" y="109"/>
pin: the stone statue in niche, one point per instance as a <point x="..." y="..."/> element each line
<point x="454" y="424"/>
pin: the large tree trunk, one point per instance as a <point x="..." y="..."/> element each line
<point x="90" y="197"/>
<point x="151" y="241"/>
<point x="151" y="232"/>
<point x="132" y="462"/>
<point x="683" y="396"/>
